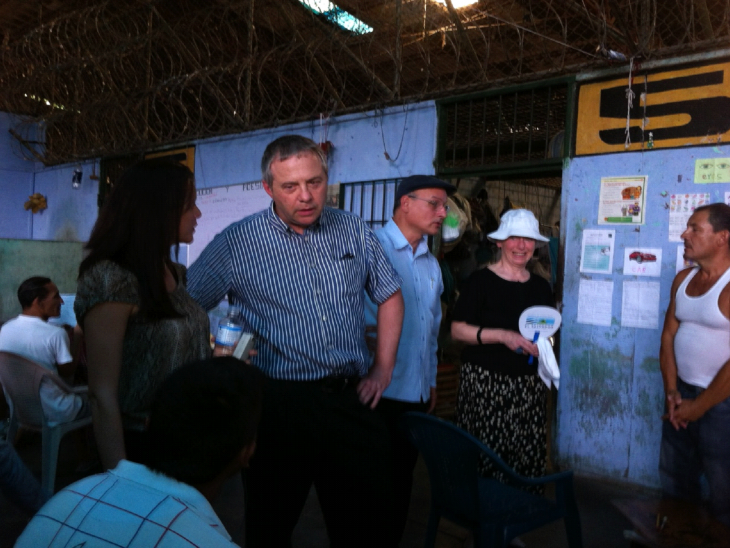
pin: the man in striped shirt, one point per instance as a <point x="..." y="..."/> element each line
<point x="298" y="270"/>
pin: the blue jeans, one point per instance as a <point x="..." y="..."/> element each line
<point x="702" y="447"/>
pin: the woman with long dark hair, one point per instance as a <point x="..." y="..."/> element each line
<point x="139" y="321"/>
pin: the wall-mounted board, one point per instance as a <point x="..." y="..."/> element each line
<point x="220" y="207"/>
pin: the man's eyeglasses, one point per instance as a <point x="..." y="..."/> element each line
<point x="435" y="204"/>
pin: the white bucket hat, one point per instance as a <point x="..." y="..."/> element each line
<point x="518" y="222"/>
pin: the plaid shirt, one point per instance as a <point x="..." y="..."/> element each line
<point x="130" y="506"/>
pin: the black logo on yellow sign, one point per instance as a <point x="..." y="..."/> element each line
<point x="686" y="107"/>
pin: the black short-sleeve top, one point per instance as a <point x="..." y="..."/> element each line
<point x="489" y="301"/>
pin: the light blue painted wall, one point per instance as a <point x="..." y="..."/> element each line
<point x="15" y="187"/>
<point x="611" y="398"/>
<point x="16" y="184"/>
<point x="11" y="151"/>
<point x="71" y="212"/>
<point x="409" y="134"/>
<point x="358" y="154"/>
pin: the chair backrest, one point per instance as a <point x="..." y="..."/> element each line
<point x="21" y="379"/>
<point x="452" y="457"/>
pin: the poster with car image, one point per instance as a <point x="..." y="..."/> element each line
<point x="642" y="261"/>
<point x="622" y="200"/>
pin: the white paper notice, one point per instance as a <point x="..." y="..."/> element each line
<point x="727" y="198"/>
<point x="640" y="305"/>
<point x="681" y="207"/>
<point x="597" y="256"/>
<point x="682" y="263"/>
<point x="594" y="302"/>
<point x="642" y="261"/>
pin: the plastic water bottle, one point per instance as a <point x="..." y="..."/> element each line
<point x="229" y="332"/>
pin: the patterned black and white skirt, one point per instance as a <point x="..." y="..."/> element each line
<point x="508" y="415"/>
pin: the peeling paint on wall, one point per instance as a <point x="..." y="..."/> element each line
<point x="599" y="379"/>
<point x="611" y="396"/>
<point x="650" y="365"/>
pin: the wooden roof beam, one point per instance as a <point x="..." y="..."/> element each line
<point x="464" y="38"/>
<point x="379" y="84"/>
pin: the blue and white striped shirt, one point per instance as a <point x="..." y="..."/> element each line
<point x="300" y="294"/>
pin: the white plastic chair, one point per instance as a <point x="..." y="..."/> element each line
<point x="21" y="379"/>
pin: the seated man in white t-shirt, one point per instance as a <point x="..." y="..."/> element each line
<point x="31" y="336"/>
<point x="201" y="431"/>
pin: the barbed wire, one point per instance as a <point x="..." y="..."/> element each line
<point x="122" y="76"/>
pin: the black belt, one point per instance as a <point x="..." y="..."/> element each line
<point x="333" y="385"/>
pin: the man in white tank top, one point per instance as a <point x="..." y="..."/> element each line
<point x="695" y="365"/>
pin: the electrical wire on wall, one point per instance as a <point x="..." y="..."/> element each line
<point x="402" y="136"/>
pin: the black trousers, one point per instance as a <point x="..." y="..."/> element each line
<point x="404" y="456"/>
<point x="314" y="433"/>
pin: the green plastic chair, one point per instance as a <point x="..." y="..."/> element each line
<point x="495" y="512"/>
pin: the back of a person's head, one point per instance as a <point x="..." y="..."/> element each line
<point x="32" y="289"/>
<point x="203" y="415"/>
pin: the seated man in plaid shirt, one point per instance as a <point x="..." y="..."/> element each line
<point x="202" y="430"/>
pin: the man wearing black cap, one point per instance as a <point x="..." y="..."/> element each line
<point x="420" y="208"/>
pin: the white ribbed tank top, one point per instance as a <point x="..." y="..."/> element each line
<point x="702" y="343"/>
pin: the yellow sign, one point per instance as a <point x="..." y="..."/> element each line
<point x="679" y="108"/>
<point x="186" y="156"/>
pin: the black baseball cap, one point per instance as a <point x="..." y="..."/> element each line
<point x="416" y="182"/>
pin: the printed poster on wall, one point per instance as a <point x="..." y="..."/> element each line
<point x="643" y="261"/>
<point x="221" y="206"/>
<point x="594" y="302"/>
<point x="597" y="251"/>
<point x="640" y="305"/>
<point x="681" y="208"/>
<point x="622" y="200"/>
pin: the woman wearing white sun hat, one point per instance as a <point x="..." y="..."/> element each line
<point x="501" y="397"/>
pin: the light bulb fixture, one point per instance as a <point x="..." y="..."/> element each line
<point x="458" y="4"/>
<point x="76" y="177"/>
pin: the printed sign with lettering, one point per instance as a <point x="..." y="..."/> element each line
<point x="680" y="108"/>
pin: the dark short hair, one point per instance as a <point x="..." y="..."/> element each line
<point x="32" y="289"/>
<point x="718" y="215"/>
<point x="203" y="415"/>
<point x="284" y="147"/>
